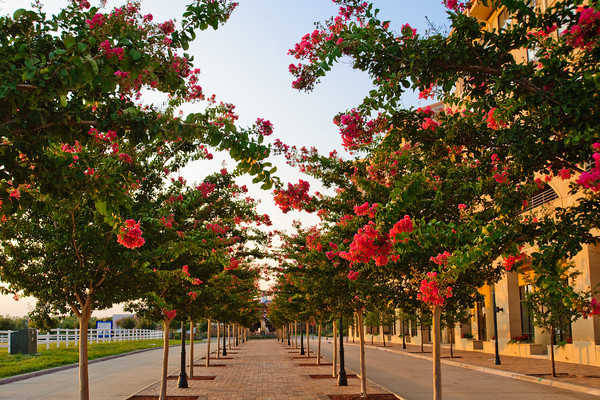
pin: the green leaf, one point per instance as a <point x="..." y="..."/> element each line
<point x="135" y="55"/>
<point x="101" y="207"/>
<point x="63" y="100"/>
<point x="69" y="41"/>
<point x="17" y="14"/>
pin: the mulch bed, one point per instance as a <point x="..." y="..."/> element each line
<point x="194" y="378"/>
<point x="211" y="365"/>
<point x="331" y="377"/>
<point x="168" y="397"/>
<point x="313" y="364"/>
<point x="299" y="357"/>
<point x="370" y="396"/>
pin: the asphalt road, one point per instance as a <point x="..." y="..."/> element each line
<point x="412" y="378"/>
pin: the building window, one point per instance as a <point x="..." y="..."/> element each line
<point x="545" y="195"/>
<point x="527" y="328"/>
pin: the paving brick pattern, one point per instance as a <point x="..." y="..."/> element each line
<point x="262" y="370"/>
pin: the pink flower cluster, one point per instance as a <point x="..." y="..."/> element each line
<point x="107" y="48"/>
<point x="294" y="197"/>
<point x="591" y="309"/>
<point x="97" y="20"/>
<point x="441" y="259"/>
<point x="167" y="27"/>
<point x="493" y="122"/>
<point x="218" y="229"/>
<point x="365" y="209"/>
<point x="76" y="148"/>
<point x="167" y="221"/>
<point x="430" y="291"/>
<point x="591" y="179"/>
<point x="368" y="244"/>
<point x="355" y="131"/>
<point x="186" y="270"/>
<point x="265" y="127"/>
<point x="510" y="261"/>
<point x="585" y="34"/>
<point x="206" y="189"/>
<point x="405" y="225"/>
<point x="169" y="314"/>
<point x="455" y="5"/>
<point x="353" y="275"/>
<point x="131" y="236"/>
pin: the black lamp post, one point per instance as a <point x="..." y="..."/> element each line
<point x="182" y="383"/>
<point x="237" y="342"/>
<point x="496" y="309"/>
<point x="289" y="333"/>
<point x="301" y="340"/>
<point x="224" y="346"/>
<point x="342" y="380"/>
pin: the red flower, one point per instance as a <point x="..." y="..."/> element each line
<point x="131" y="236"/>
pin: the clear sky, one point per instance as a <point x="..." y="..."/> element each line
<point x="245" y="62"/>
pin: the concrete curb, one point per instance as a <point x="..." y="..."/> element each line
<point x="33" y="374"/>
<point x="506" y="374"/>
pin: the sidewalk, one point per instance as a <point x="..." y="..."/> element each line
<point x="261" y="370"/>
<point x="538" y="369"/>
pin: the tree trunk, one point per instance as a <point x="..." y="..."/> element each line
<point x="165" y="361"/>
<point x="382" y="335"/>
<point x="437" y="366"/>
<point x="296" y="334"/>
<point x="218" y="339"/>
<point x="335" y="354"/>
<point x="84" y="380"/>
<point x="452" y="342"/>
<point x="319" y="347"/>
<point x="191" y="349"/>
<point x="552" y="352"/>
<point x="363" y="368"/>
<point x="229" y="336"/>
<point x="307" y="340"/>
<point x="422" y="339"/>
<point x="208" y="344"/>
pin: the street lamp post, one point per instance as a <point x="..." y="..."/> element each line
<point x="342" y="379"/>
<point x="224" y="345"/>
<point x="301" y="340"/>
<point x="496" y="309"/>
<point x="182" y="383"/>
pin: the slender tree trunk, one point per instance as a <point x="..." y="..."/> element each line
<point x="335" y="349"/>
<point x="296" y="334"/>
<point x="452" y="342"/>
<point x="437" y="365"/>
<point x="552" y="353"/>
<point x="363" y="367"/>
<point x="319" y="347"/>
<point x="84" y="380"/>
<point x="307" y="339"/>
<point x="218" y="339"/>
<point x="208" y="344"/>
<point x="422" y="339"/>
<point x="191" y="349"/>
<point x="228" y="328"/>
<point x="165" y="361"/>
<point x="382" y="334"/>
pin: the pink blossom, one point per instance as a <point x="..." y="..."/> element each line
<point x="131" y="236"/>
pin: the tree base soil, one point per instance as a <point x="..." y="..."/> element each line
<point x="331" y="377"/>
<point x="211" y="365"/>
<point x="313" y="364"/>
<point x="370" y="396"/>
<point x="194" y="378"/>
<point x="168" y="398"/>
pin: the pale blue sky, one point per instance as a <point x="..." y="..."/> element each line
<point x="246" y="63"/>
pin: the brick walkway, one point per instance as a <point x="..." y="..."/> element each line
<point x="262" y="370"/>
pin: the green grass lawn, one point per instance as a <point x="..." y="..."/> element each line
<point x="17" y="364"/>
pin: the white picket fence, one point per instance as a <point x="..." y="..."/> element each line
<point x="71" y="336"/>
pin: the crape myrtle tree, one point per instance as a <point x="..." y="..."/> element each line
<point x="518" y="123"/>
<point x="75" y="141"/>
<point x="193" y="234"/>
